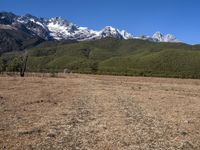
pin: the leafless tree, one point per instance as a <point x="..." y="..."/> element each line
<point x="23" y="66"/>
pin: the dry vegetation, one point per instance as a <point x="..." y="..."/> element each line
<point x="99" y="112"/>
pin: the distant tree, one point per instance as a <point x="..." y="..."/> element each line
<point x="14" y="65"/>
<point x="94" y="67"/>
<point x="18" y="64"/>
<point x="86" y="52"/>
<point x="3" y="64"/>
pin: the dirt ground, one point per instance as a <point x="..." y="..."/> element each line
<point x="90" y="112"/>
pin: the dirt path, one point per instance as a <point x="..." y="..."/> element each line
<point x="99" y="112"/>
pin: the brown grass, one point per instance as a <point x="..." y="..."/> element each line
<point x="99" y="112"/>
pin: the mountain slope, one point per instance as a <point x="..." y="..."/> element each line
<point x="12" y="39"/>
<point x="120" y="57"/>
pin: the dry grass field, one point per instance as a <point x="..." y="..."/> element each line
<point x="90" y="112"/>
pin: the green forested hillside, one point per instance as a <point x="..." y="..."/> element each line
<point x="120" y="57"/>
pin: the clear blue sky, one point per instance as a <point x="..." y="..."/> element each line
<point x="179" y="17"/>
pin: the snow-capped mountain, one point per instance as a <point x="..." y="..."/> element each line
<point x="61" y="29"/>
<point x="159" y="37"/>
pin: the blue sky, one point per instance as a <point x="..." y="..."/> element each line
<point x="179" y="17"/>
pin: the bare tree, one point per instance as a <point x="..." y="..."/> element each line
<point x="23" y="66"/>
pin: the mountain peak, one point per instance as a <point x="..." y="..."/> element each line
<point x="60" y="21"/>
<point x="29" y="16"/>
<point x="57" y="19"/>
<point x="159" y="37"/>
<point x="126" y="35"/>
<point x="109" y="31"/>
<point x="109" y="28"/>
